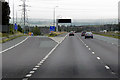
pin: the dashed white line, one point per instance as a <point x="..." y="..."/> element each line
<point x="107" y="67"/>
<point x="37" y="66"/>
<point x="98" y="58"/>
<point x="34" y="69"/>
<point x="14" y="45"/>
<point x="31" y="72"/>
<point x="89" y="49"/>
<point x="42" y="61"/>
<point x="93" y="52"/>
<point x="29" y="75"/>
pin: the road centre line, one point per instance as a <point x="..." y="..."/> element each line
<point x="42" y="61"/>
<point x="107" y="67"/>
<point x="98" y="58"/>
<point x="93" y="52"/>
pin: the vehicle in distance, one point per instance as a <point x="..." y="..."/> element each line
<point x="71" y="34"/>
<point x="83" y="33"/>
<point x="88" y="35"/>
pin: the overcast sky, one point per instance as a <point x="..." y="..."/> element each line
<point x="75" y="9"/>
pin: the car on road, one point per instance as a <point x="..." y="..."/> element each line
<point x="83" y="33"/>
<point x="88" y="35"/>
<point x="71" y="34"/>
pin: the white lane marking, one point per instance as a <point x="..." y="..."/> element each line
<point x="42" y="61"/>
<point x="14" y="45"/>
<point x="37" y="66"/>
<point x="45" y="57"/>
<point x="107" y="67"/>
<point x="81" y="40"/>
<point x="29" y="75"/>
<point x="93" y="52"/>
<point x="25" y="79"/>
<point x="31" y="72"/>
<point x="89" y="49"/>
<point x="98" y="58"/>
<point x="34" y="69"/>
<point x="39" y="36"/>
<point x="87" y="46"/>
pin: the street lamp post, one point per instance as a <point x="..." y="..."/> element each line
<point x="13" y="15"/>
<point x="54" y="18"/>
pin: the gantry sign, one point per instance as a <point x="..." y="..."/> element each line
<point x="62" y="21"/>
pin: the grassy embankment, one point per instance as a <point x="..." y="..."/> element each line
<point x="8" y="37"/>
<point x="53" y="34"/>
<point x="109" y="34"/>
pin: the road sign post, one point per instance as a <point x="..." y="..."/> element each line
<point x="52" y="28"/>
<point x="16" y="27"/>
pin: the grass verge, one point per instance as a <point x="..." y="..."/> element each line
<point x="11" y="38"/>
<point x="117" y="36"/>
<point x="53" y="34"/>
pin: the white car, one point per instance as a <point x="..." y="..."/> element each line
<point x="88" y="35"/>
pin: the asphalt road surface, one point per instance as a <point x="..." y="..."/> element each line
<point x="12" y="42"/>
<point x="17" y="62"/>
<point x="75" y="57"/>
<point x="108" y="52"/>
<point x="72" y="59"/>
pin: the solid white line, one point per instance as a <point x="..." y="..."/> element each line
<point x="14" y="45"/>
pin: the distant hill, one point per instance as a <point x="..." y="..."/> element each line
<point x="77" y="22"/>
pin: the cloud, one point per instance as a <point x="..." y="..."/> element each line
<point x="70" y="8"/>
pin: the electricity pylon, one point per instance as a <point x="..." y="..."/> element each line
<point x="24" y="17"/>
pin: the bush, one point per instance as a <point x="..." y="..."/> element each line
<point x="36" y="31"/>
<point x="20" y="29"/>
